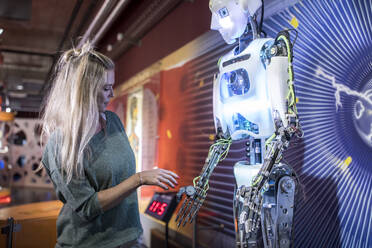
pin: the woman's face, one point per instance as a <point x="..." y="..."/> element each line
<point x="107" y="91"/>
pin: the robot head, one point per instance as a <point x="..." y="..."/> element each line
<point x="230" y="17"/>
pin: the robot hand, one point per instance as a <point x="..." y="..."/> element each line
<point x="195" y="195"/>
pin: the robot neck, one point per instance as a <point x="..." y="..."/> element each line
<point x="251" y="33"/>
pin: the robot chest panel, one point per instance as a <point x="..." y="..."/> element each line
<point x="243" y="75"/>
<point x="241" y="79"/>
<point x="241" y="97"/>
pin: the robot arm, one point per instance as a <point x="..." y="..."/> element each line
<point x="283" y="104"/>
<point x="195" y="195"/>
<point x="280" y="82"/>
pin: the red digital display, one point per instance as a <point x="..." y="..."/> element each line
<point x="5" y="199"/>
<point x="158" y="207"/>
<point x="162" y="206"/>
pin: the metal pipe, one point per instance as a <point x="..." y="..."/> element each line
<point x="166" y="235"/>
<point x="9" y="236"/>
<point x="75" y="12"/>
<point x="114" y="14"/>
<point x="146" y="20"/>
<point x="94" y="22"/>
<point x="84" y="20"/>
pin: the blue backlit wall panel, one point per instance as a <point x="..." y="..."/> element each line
<point x="333" y="81"/>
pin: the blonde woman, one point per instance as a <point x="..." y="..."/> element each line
<point x="89" y="159"/>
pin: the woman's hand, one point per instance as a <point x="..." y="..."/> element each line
<point x="158" y="177"/>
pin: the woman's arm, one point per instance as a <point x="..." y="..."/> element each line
<point x="111" y="197"/>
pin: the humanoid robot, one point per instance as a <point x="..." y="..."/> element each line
<point x="254" y="99"/>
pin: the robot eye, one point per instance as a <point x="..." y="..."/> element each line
<point x="223" y="12"/>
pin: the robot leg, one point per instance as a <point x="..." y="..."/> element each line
<point x="278" y="208"/>
<point x="247" y="216"/>
<point x="247" y="206"/>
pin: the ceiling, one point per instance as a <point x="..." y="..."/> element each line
<point x="32" y="36"/>
<point x="35" y="31"/>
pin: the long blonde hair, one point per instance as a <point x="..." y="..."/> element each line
<point x="71" y="109"/>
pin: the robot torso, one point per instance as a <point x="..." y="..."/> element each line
<point x="241" y="104"/>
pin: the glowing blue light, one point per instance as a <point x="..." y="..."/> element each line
<point x="226" y="22"/>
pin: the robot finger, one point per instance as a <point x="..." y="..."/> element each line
<point x="192" y="207"/>
<point x="197" y="209"/>
<point x="182" y="209"/>
<point x="187" y="208"/>
<point x="192" y="210"/>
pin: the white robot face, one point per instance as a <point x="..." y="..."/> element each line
<point x="230" y="17"/>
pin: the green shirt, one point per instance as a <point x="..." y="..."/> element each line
<point x="81" y="222"/>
